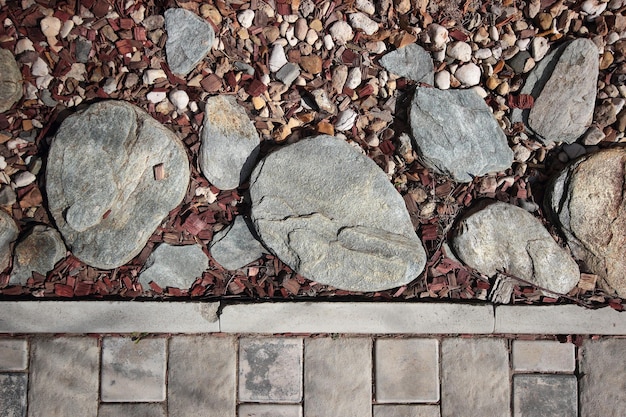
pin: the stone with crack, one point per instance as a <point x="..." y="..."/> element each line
<point x="189" y="40"/>
<point x="331" y="214"/>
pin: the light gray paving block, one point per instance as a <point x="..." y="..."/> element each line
<point x="407" y="370"/>
<point x="133" y="371"/>
<point x="13" y="394"/>
<point x="602" y="380"/>
<point x="13" y="354"/>
<point x="545" y="395"/>
<point x="475" y="377"/>
<point x="338" y="377"/>
<point x="132" y="410"/>
<point x="107" y="317"/>
<point x="543" y="356"/>
<point x="202" y="373"/>
<point x="270" y="410"/>
<point x="63" y="377"/>
<point x="406" y="411"/>
<point x="270" y="370"/>
<point x="562" y="319"/>
<point x="327" y="317"/>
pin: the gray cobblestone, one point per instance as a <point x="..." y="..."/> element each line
<point x="13" y="394"/>
<point x="13" y="354"/>
<point x="545" y="395"/>
<point x="406" y="411"/>
<point x="132" y="410"/>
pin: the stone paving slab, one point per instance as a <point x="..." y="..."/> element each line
<point x="13" y="388"/>
<point x="545" y="395"/>
<point x="406" y="411"/>
<point x="132" y="410"/>
<point x="270" y="410"/>
<point x="13" y="354"/>
<point x="543" y="356"/>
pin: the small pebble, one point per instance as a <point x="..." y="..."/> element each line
<point x="110" y="85"/>
<point x="50" y="26"/>
<point x="345" y="120"/>
<point x="328" y="42"/>
<point x="277" y="58"/>
<point x="376" y="47"/>
<point x="23" y="178"/>
<point x="442" y="80"/>
<point x="364" y="23"/>
<point x="354" y="78"/>
<point x="539" y="48"/>
<point x="301" y="29"/>
<point x="39" y="68"/>
<point x="245" y="18"/>
<point x="3" y="163"/>
<point x="22" y="45"/>
<point x="521" y="153"/>
<point x="311" y="37"/>
<point x="151" y="75"/>
<point x="156" y="96"/>
<point x="460" y="51"/>
<point x="365" y="6"/>
<point x="438" y="35"/>
<point x="339" y="77"/>
<point x="7" y="196"/>
<point x="66" y="28"/>
<point x="468" y="74"/>
<point x="179" y="99"/>
<point x="593" y="8"/>
<point x="593" y="136"/>
<point x="341" y="32"/>
<point x="483" y="53"/>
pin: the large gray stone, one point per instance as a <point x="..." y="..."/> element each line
<point x="587" y="201"/>
<point x="412" y="62"/>
<point x="236" y="246"/>
<point x="189" y="40"/>
<point x="174" y="266"/>
<point x="39" y="252"/>
<point x="230" y="143"/>
<point x="564" y="87"/>
<point x="331" y="214"/>
<point x="504" y="237"/>
<point x="102" y="186"/>
<point x="457" y="135"/>
<point x="8" y="234"/>
<point x="10" y="81"/>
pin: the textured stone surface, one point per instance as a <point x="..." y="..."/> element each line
<point x="39" y="251"/>
<point x="338" y="377"/>
<point x="8" y="234"/>
<point x="407" y="370"/>
<point x="406" y="411"/>
<point x="475" y="377"/>
<point x="174" y="266"/>
<point x="505" y="237"/>
<point x="587" y="201"/>
<point x="230" y="143"/>
<point x="564" y="87"/>
<point x="543" y="356"/>
<point x="131" y="410"/>
<point x="602" y="382"/>
<point x="412" y="62"/>
<point x="334" y="217"/>
<point x="457" y="135"/>
<point x="189" y="40"/>
<point x="209" y="386"/>
<point x="132" y="371"/>
<point x="236" y="246"/>
<point x="13" y="354"/>
<point x="13" y="394"/>
<point x="101" y="185"/>
<point x="72" y="363"/>
<point x="545" y="395"/>
<point x="10" y="81"/>
<point x="270" y="370"/>
<point x="270" y="410"/>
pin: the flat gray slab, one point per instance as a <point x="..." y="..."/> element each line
<point x="132" y="410"/>
<point x="107" y="317"/>
<point x="325" y="317"/>
<point x="202" y="374"/>
<point x="270" y="410"/>
<point x="133" y="370"/>
<point x="13" y="388"/>
<point x="543" y="356"/>
<point x="13" y="354"/>
<point x="338" y="377"/>
<point x="406" y="411"/>
<point x="566" y="319"/>
<point x="545" y="395"/>
<point x="63" y="377"/>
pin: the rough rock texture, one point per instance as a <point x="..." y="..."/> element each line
<point x="457" y="135"/>
<point x="412" y="62"/>
<point x="588" y="203"/>
<point x="564" y="87"/>
<point x="505" y="237"/>
<point x="8" y="234"/>
<point x="230" y="143"/>
<point x="236" y="246"/>
<point x="10" y="81"/>
<point x="189" y="40"/>
<point x="602" y="384"/>
<point x="174" y="266"/>
<point x="101" y="184"/>
<point x="334" y="216"/>
<point x="39" y="251"/>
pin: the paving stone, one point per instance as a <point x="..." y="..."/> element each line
<point x="327" y="317"/>
<point x="63" y="377"/>
<point x="406" y="411"/>
<point x="208" y="387"/>
<point x="13" y="395"/>
<point x="543" y="356"/>
<point x="602" y="382"/>
<point x="270" y="410"/>
<point x="132" y="410"/>
<point x="407" y="370"/>
<point x="13" y="354"/>
<point x="270" y="370"/>
<point x="133" y="371"/>
<point x="545" y="395"/>
<point x="338" y="377"/>
<point x="475" y="377"/>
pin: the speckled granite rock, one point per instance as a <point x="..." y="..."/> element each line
<point x="10" y="81"/>
<point x="189" y="40"/>
<point x="39" y="251"/>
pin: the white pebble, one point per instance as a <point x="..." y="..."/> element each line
<point x="494" y="34"/>
<point x="341" y="32"/>
<point x="43" y="81"/>
<point x="179" y="99"/>
<point x="66" y="28"/>
<point x="311" y="37"/>
<point x="522" y="44"/>
<point x="482" y="53"/>
<point x="460" y="50"/>
<point x="3" y="163"/>
<point x="345" y="120"/>
<point x="245" y="18"/>
<point x="539" y="48"/>
<point x="468" y="74"/>
<point x="110" y="85"/>
<point x="39" y="68"/>
<point x="364" y="23"/>
<point x="22" y="45"/>
<point x="291" y="37"/>
<point x="376" y="47"/>
<point x="277" y="58"/>
<point x="354" y="78"/>
<point x="593" y="8"/>
<point x="442" y="80"/>
<point x="265" y="79"/>
<point x="480" y="91"/>
<point x="438" y="35"/>
<point x="151" y="75"/>
<point x="50" y="26"/>
<point x="328" y="42"/>
<point x="24" y="178"/>
<point x="365" y="6"/>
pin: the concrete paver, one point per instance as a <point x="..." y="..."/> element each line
<point x="475" y="377"/>
<point x="13" y="354"/>
<point x="338" y="377"/>
<point x="13" y="394"/>
<point x="270" y="410"/>
<point x="270" y="370"/>
<point x="63" y="377"/>
<point x="406" y="411"/>
<point x="543" y="356"/>
<point x="545" y="395"/>
<point x="202" y="373"/>
<point x="407" y="370"/>
<point x="133" y="371"/>
<point x="132" y="410"/>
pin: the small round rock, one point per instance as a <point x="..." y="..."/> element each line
<point x="180" y="99"/>
<point x="468" y="74"/>
<point x="341" y="32"/>
<point x="245" y="18"/>
<point x="50" y="26"/>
